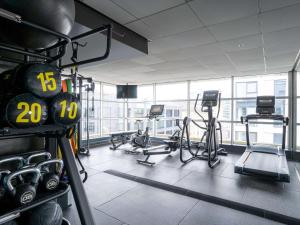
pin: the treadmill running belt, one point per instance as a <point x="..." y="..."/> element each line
<point x="262" y="161"/>
<point x="264" y="164"/>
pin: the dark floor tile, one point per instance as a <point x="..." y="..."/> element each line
<point x="195" y="165"/>
<point x="228" y="172"/>
<point x="96" y="159"/>
<point x="103" y="187"/>
<point x="121" y="165"/>
<point x="209" y="214"/>
<point x="160" y="173"/>
<point x="294" y="184"/>
<point x="231" y="158"/>
<point x="100" y="218"/>
<point x="286" y="202"/>
<point x="91" y="171"/>
<point x="213" y="185"/>
<point x="149" y="206"/>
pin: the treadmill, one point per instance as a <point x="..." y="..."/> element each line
<point x="259" y="160"/>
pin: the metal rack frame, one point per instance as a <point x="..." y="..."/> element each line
<point x="59" y="133"/>
<point x="55" y="135"/>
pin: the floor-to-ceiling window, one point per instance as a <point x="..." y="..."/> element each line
<point x="174" y="96"/>
<point x="92" y="108"/>
<point x="298" y="111"/>
<point x="246" y="89"/>
<point x="113" y="110"/>
<point x="138" y="109"/>
<point x="238" y="98"/>
<point x="197" y="88"/>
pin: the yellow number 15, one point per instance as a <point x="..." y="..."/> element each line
<point x="47" y="81"/>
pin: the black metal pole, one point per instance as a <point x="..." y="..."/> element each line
<point x="82" y="204"/>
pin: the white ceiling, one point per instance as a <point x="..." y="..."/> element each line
<point x="197" y="39"/>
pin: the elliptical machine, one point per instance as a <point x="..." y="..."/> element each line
<point x="210" y="149"/>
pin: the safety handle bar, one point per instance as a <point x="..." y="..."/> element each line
<point x="196" y="110"/>
<point x="108" y="29"/>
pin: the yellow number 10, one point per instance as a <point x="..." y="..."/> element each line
<point x="47" y="81"/>
<point x="72" y="110"/>
<point x="35" y="111"/>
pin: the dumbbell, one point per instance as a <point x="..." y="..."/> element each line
<point x="50" y="180"/>
<point x="23" y="193"/>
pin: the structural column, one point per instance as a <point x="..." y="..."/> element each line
<point x="292" y="128"/>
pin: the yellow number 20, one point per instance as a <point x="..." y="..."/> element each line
<point x="47" y="81"/>
<point x="35" y="111"/>
<point x="72" y="109"/>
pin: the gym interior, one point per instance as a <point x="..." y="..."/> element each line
<point x="161" y="112"/>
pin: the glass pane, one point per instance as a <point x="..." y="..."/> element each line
<point x="298" y="111"/>
<point x="166" y="127"/>
<point x="266" y="134"/>
<point x="172" y="91"/>
<point x="243" y="108"/>
<point x="173" y="110"/>
<point x="138" y="110"/>
<point x="113" y="109"/>
<point x="135" y="125"/>
<point x="145" y="93"/>
<point x="109" y="92"/>
<point x="252" y="86"/>
<point x="223" y="85"/>
<point x="94" y="120"/>
<point x="224" y="115"/>
<point x="112" y="125"/>
<point x="196" y="133"/>
<point x="97" y="92"/>
<point x="298" y="84"/>
<point x="246" y="107"/>
<point x="298" y="137"/>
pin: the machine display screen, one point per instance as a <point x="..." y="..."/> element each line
<point x="157" y="109"/>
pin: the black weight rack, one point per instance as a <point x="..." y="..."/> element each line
<point x="54" y="135"/>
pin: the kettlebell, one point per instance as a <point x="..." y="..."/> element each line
<point x="23" y="193"/>
<point x="18" y="159"/>
<point x="28" y="161"/>
<point x="3" y="173"/>
<point x="50" y="180"/>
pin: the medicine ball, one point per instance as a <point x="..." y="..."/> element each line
<point x="43" y="80"/>
<point x="25" y="110"/>
<point x="49" y="213"/>
<point x="7" y="84"/>
<point x="65" y="109"/>
<point x="56" y="15"/>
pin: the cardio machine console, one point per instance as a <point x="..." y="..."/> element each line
<point x="265" y="105"/>
<point x="156" y="110"/>
<point x="210" y="98"/>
